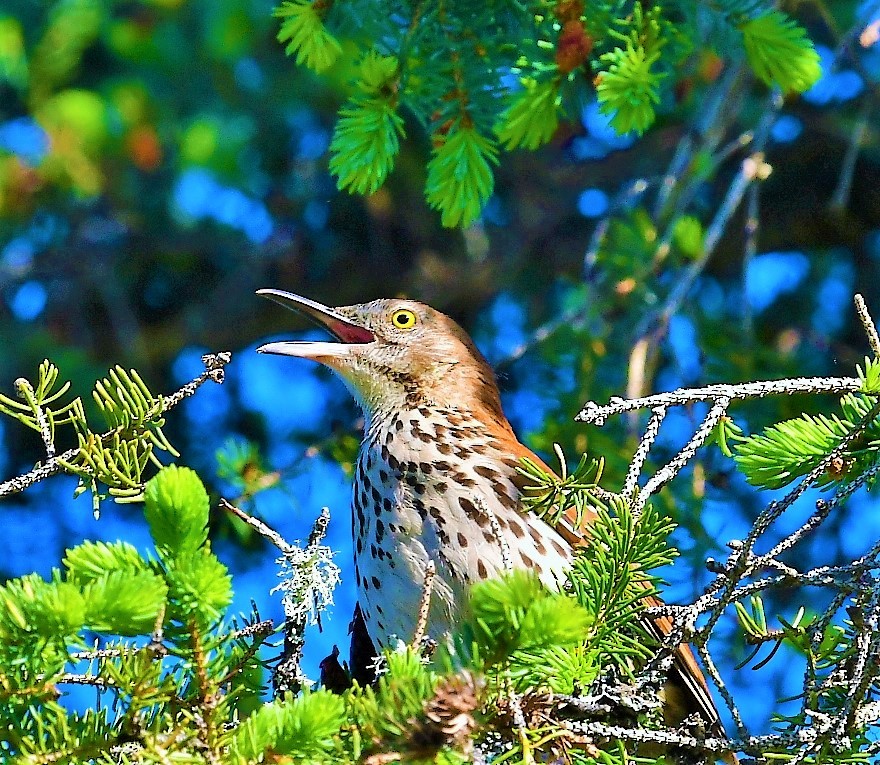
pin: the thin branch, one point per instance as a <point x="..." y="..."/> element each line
<point x="868" y="324"/>
<point x="674" y="466"/>
<point x="481" y="505"/>
<point x="840" y="197"/>
<point x="255" y="523"/>
<point x="424" y="604"/>
<point x="641" y="453"/>
<point x="214" y="364"/>
<point x="594" y="414"/>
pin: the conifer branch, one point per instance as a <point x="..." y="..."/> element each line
<point x="214" y="364"/>
<point x="596" y="414"/>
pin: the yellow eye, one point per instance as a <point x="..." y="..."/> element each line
<point x="403" y="319"/>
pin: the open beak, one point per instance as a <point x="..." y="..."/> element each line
<point x="346" y="331"/>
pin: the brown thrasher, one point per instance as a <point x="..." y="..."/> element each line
<point x="436" y="439"/>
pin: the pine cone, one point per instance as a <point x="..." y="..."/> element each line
<point x="449" y="715"/>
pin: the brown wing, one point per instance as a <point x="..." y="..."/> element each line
<point x="687" y="690"/>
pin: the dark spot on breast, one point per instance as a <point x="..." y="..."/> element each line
<point x="380" y="530"/>
<point x="489" y="536"/>
<point x="442" y="466"/>
<point x="360" y="544"/>
<point x="386" y="504"/>
<point x="377" y="497"/>
<point x="393" y="462"/>
<point x="507" y="501"/>
<point x="558" y="547"/>
<point x="383" y="476"/>
<point x="426" y="467"/>
<point x="516" y="527"/>
<point x="379" y="609"/>
<point x="398" y="425"/>
<point x="538" y="539"/>
<point x="463" y="480"/>
<point x="440" y="487"/>
<point x="420" y="488"/>
<point x="376" y="583"/>
<point x="481" y="569"/>
<point x="527" y="561"/>
<point x="389" y="437"/>
<point x="444" y="448"/>
<point x="462" y="540"/>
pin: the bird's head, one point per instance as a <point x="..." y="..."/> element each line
<point x="395" y="354"/>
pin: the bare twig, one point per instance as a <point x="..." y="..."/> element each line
<point x="424" y="605"/>
<point x="481" y="505"/>
<point x="868" y="324"/>
<point x="672" y="468"/>
<point x="635" y="466"/>
<point x="595" y="414"/>
<point x="261" y="528"/>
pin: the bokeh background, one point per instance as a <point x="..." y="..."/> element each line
<point x="161" y="160"/>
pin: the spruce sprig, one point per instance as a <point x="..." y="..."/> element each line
<point x="460" y="178"/>
<point x="532" y="116"/>
<point x="367" y="136"/>
<point x="790" y="449"/>
<point x="549" y="496"/>
<point x="780" y="53"/>
<point x="306" y="36"/>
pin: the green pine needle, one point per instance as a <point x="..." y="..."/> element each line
<point x="780" y="53"/>
<point x="306" y="35"/>
<point x="628" y="89"/>
<point x="124" y="603"/>
<point x="365" y="144"/>
<point x="91" y="560"/>
<point x="532" y="117"/>
<point x="367" y="136"/>
<point x="787" y="450"/>
<point x="870" y="375"/>
<point x="200" y="587"/>
<point x="516" y="612"/>
<point x="304" y="726"/>
<point x="176" y="508"/>
<point x="460" y="177"/>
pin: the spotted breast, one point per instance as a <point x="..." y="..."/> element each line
<point x="425" y="484"/>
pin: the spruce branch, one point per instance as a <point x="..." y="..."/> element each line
<point x="596" y="414"/>
<point x="92" y="460"/>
